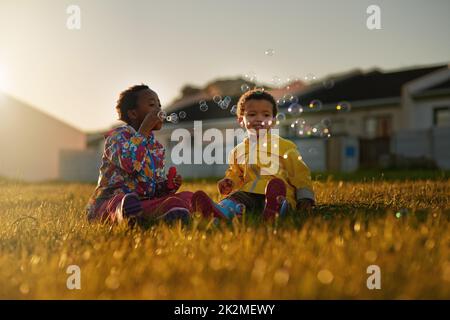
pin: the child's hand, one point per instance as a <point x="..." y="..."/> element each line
<point x="149" y="122"/>
<point x="225" y="186"/>
<point x="305" y="205"/>
<point x="177" y="181"/>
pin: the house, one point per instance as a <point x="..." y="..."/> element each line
<point x="31" y="141"/>
<point x="372" y="118"/>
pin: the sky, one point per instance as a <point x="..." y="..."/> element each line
<point x="77" y="75"/>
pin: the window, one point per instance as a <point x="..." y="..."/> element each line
<point x="378" y="126"/>
<point x="442" y="117"/>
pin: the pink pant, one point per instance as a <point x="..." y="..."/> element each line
<point x="151" y="208"/>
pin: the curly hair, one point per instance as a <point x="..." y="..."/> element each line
<point x="255" y="94"/>
<point x="128" y="101"/>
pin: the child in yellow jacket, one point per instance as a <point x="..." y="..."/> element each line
<point x="266" y="172"/>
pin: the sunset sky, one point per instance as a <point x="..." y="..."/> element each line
<point x="76" y="75"/>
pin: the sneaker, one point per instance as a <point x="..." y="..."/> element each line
<point x="202" y="203"/>
<point x="130" y="208"/>
<point x="275" y="198"/>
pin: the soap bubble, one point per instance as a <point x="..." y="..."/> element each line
<point x="310" y="77"/>
<point x="203" y="106"/>
<point x="328" y="83"/>
<point x="315" y="105"/>
<point x="281" y="116"/>
<point x="173" y="118"/>
<point x="233" y="110"/>
<point x="269" y="52"/>
<point x="293" y="99"/>
<point x="276" y="81"/>
<point x="162" y="115"/>
<point x="245" y="87"/>
<point x="287" y="97"/>
<point x="343" y="106"/>
<point x="217" y="99"/>
<point x="250" y="76"/>
<point x="326" y="122"/>
<point x="300" y="121"/>
<point x="182" y="115"/>
<point x="295" y="107"/>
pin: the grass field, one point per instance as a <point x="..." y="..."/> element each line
<point x="401" y="226"/>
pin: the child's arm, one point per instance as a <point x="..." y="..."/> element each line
<point x="233" y="175"/>
<point x="169" y="186"/>
<point x="299" y="176"/>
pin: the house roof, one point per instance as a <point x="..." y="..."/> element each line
<point x="355" y="86"/>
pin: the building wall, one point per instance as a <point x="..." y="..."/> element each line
<point x="30" y="141"/>
<point x="423" y="111"/>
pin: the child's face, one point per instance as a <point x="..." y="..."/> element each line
<point x="148" y="101"/>
<point x="258" y="115"/>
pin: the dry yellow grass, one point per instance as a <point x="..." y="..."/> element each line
<point x="43" y="230"/>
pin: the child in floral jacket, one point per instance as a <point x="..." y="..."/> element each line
<point x="132" y="183"/>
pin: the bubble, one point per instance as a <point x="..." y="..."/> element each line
<point x="281" y="102"/>
<point x="300" y="121"/>
<point x="293" y="99"/>
<point x="225" y="102"/>
<point x="281" y="116"/>
<point x="173" y="118"/>
<point x="292" y="79"/>
<point x="343" y="106"/>
<point x="269" y="52"/>
<point x="203" y="107"/>
<point x="182" y="115"/>
<point x="295" y="107"/>
<point x="217" y="99"/>
<point x="293" y="125"/>
<point x="313" y="151"/>
<point x="245" y="87"/>
<point x="288" y="97"/>
<point x="315" y="105"/>
<point x="326" y="122"/>
<point x="233" y="110"/>
<point x="276" y="81"/>
<point x="328" y="83"/>
<point x="250" y="76"/>
<point x="223" y="105"/>
<point x="162" y="115"/>
<point x="310" y="77"/>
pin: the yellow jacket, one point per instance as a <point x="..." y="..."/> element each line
<point x="254" y="162"/>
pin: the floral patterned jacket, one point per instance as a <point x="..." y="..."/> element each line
<point x="131" y="162"/>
